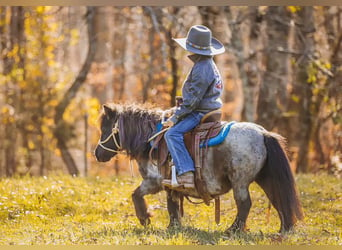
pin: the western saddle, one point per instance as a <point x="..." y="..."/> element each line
<point x="210" y="125"/>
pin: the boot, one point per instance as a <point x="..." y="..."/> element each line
<point x="185" y="180"/>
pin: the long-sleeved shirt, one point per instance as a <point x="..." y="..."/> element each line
<point x="202" y="88"/>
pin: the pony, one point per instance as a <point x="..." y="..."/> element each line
<point x="249" y="153"/>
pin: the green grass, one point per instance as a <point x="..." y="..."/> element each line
<point x="63" y="210"/>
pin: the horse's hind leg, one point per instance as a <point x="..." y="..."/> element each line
<point x="148" y="186"/>
<point x="265" y="185"/>
<point x="243" y="203"/>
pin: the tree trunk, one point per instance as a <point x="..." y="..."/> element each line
<point x="119" y="42"/>
<point x="174" y="67"/>
<point x="301" y="88"/>
<point x="253" y="66"/>
<point x="272" y="102"/>
<point x="333" y="23"/>
<point x="221" y="20"/>
<point x="16" y="28"/>
<point x="71" y="93"/>
<point x="168" y="34"/>
<point x="150" y="69"/>
<point x="103" y="59"/>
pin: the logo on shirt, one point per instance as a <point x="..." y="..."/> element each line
<point x="219" y="85"/>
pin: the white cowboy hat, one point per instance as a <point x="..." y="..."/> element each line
<point x="200" y="41"/>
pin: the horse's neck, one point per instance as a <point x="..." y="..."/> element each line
<point x="136" y="137"/>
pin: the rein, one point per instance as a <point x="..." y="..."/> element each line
<point x="115" y="131"/>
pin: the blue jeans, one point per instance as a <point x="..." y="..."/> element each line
<point x="175" y="142"/>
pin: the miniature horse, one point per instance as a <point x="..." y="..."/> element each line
<point x="249" y="153"/>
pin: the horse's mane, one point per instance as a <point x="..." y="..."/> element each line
<point x="137" y="122"/>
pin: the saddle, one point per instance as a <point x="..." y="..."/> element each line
<point x="196" y="142"/>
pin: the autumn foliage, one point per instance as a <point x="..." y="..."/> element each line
<point x="282" y="69"/>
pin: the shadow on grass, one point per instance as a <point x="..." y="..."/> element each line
<point x="193" y="235"/>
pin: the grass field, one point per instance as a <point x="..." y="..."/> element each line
<point x="63" y="210"/>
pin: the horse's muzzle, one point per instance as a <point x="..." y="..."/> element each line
<point x="102" y="155"/>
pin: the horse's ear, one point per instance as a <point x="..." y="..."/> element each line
<point x="107" y="110"/>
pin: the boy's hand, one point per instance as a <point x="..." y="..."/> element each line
<point x="168" y="123"/>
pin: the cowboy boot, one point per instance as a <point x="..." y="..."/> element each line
<point x="185" y="180"/>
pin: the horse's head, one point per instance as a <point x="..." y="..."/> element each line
<point x="109" y="143"/>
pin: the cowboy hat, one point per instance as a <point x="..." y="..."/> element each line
<point x="200" y="41"/>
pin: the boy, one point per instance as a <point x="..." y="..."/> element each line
<point x="201" y="93"/>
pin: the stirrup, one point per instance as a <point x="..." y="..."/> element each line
<point x="173" y="182"/>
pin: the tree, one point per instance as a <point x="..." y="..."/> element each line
<point x="13" y="61"/>
<point x="302" y="92"/>
<point x="223" y="21"/>
<point x="61" y="124"/>
<point x="273" y="95"/>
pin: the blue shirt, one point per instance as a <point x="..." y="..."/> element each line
<point x="202" y="88"/>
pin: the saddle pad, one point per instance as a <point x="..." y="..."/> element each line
<point x="220" y="137"/>
<point x="159" y="128"/>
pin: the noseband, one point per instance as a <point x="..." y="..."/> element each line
<point x="115" y="131"/>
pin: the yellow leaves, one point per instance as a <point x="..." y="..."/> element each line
<point x="48" y="8"/>
<point x="318" y="72"/>
<point x="289" y="114"/>
<point x="3" y="79"/>
<point x="43" y="9"/>
<point x="19" y="74"/>
<point x="68" y="116"/>
<point x="54" y="26"/>
<point x="31" y="145"/>
<point x="51" y="63"/>
<point x="327" y="65"/>
<point x="74" y="36"/>
<point x="57" y="152"/>
<point x="92" y="108"/>
<point x="7" y="114"/>
<point x="7" y="110"/>
<point x="14" y="52"/>
<point x="53" y="103"/>
<point x="60" y="38"/>
<point x="316" y="91"/>
<point x="74" y="33"/>
<point x="33" y="71"/>
<point x="47" y="126"/>
<point x="30" y="127"/>
<point x="48" y="121"/>
<point x="2" y="22"/>
<point x="40" y="10"/>
<point x="312" y="78"/>
<point x="23" y="84"/>
<point x="295" y="98"/>
<point x="312" y="71"/>
<point x="49" y="54"/>
<point x="293" y="9"/>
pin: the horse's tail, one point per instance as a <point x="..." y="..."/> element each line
<point x="278" y="182"/>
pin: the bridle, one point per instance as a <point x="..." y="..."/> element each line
<point x="115" y="130"/>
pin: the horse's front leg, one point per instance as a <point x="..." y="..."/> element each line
<point x="148" y="186"/>
<point x="173" y="208"/>
<point x="151" y="184"/>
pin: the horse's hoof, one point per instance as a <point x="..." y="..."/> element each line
<point x="174" y="226"/>
<point x="145" y="222"/>
<point x="236" y="228"/>
<point x="229" y="232"/>
<point x="287" y="230"/>
<point x="233" y="230"/>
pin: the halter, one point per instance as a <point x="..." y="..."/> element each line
<point x="115" y="130"/>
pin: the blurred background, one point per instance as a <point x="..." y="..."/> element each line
<point x="58" y="65"/>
